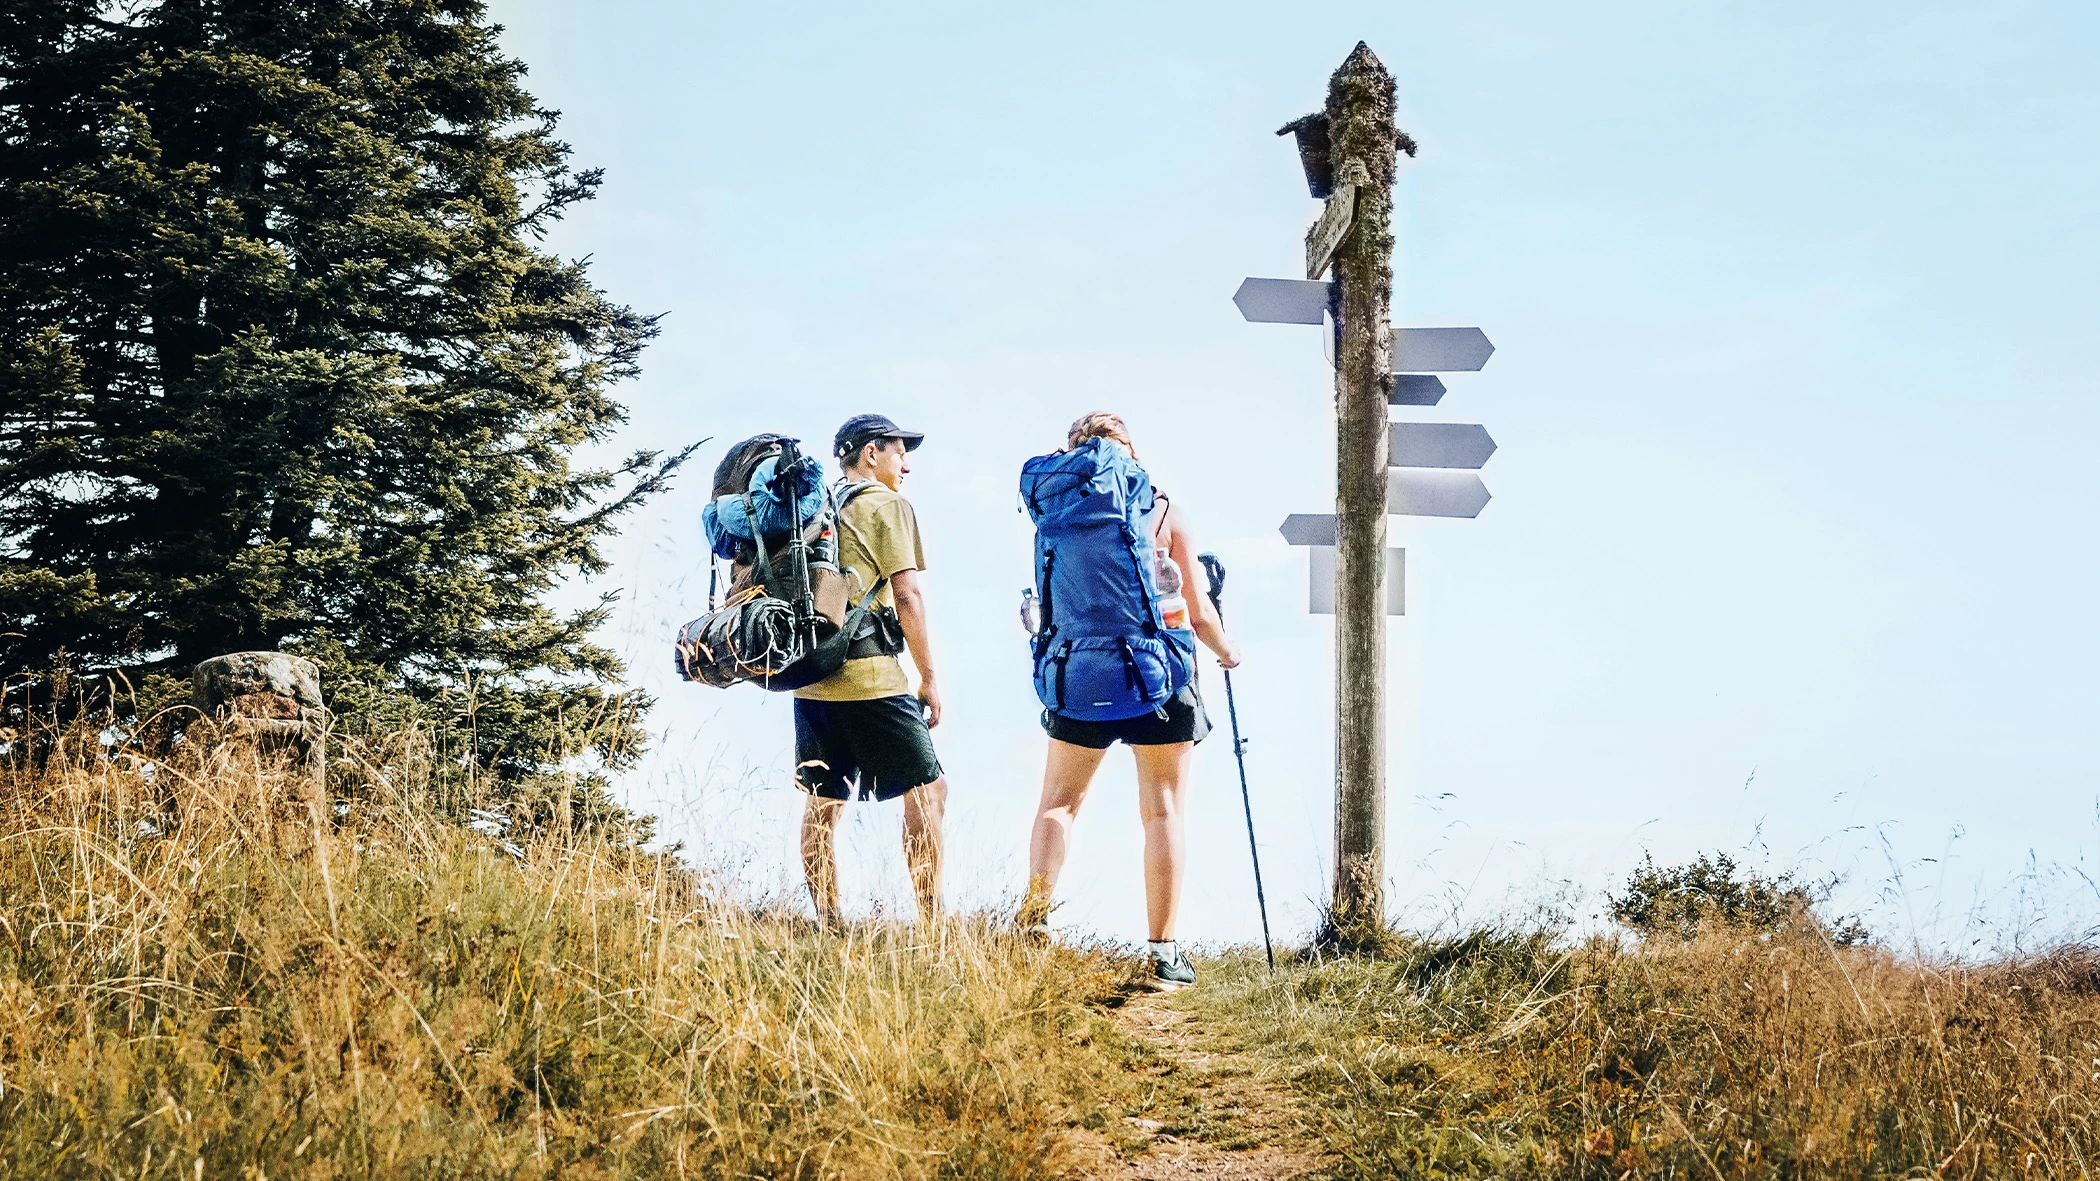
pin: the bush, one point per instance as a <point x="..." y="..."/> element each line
<point x="1679" y="900"/>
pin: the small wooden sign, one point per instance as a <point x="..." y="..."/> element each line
<point x="1326" y="234"/>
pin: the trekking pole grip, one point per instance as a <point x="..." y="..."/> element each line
<point x="1214" y="570"/>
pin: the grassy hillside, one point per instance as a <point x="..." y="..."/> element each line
<point x="195" y="981"/>
<point x="1732" y="1054"/>
<point x="198" y="979"/>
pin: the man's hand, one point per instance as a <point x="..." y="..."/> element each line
<point x="1228" y="655"/>
<point x="911" y="615"/>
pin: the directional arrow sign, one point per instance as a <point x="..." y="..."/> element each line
<point x="1438" y="444"/>
<point x="1438" y="350"/>
<point x="1411" y="493"/>
<point x="1308" y="529"/>
<point x="1415" y="389"/>
<point x="1321" y="567"/>
<point x="1282" y="301"/>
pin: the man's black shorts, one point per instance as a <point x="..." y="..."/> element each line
<point x="882" y="746"/>
<point x="1184" y="721"/>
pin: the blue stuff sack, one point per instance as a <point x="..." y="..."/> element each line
<point x="728" y="526"/>
<point x="1103" y="652"/>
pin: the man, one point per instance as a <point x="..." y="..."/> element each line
<point x="862" y="726"/>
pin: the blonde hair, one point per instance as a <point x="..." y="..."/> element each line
<point x="1099" y="425"/>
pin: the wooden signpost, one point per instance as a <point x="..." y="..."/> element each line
<point x="1349" y="152"/>
<point x="1360" y="126"/>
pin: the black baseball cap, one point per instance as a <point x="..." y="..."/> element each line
<point x="863" y="429"/>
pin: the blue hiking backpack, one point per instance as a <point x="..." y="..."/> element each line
<point x="1103" y="653"/>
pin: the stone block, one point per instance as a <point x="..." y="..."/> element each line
<point x="273" y="698"/>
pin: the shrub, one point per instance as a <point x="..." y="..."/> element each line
<point x="1679" y="900"/>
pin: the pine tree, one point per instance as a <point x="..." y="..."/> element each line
<point x="283" y="364"/>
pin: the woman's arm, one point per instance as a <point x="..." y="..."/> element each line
<point x="1195" y="587"/>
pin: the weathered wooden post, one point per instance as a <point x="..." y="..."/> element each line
<point x="1361" y="152"/>
<point x="1422" y="469"/>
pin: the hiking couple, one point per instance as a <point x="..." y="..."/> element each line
<point x="1113" y="641"/>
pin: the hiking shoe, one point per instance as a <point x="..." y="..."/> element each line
<point x="1035" y="934"/>
<point x="1168" y="975"/>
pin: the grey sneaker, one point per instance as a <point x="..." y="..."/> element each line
<point x="1168" y="975"/>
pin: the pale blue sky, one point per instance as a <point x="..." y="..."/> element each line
<point x="1792" y="540"/>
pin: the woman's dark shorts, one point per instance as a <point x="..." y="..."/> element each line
<point x="882" y="746"/>
<point x="1183" y="721"/>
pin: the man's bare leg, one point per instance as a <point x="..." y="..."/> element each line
<point x="1068" y="771"/>
<point x="923" y="808"/>
<point x="820" y="825"/>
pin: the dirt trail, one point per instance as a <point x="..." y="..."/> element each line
<point x="1213" y="1115"/>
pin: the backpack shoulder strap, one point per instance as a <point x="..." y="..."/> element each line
<point x="843" y="494"/>
<point x="762" y="564"/>
<point x="1160" y="505"/>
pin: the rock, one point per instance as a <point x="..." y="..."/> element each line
<point x="239" y="674"/>
<point x="273" y="698"/>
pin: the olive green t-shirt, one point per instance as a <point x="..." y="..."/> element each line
<point x="878" y="535"/>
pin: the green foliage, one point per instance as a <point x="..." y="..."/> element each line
<point x="285" y="367"/>
<point x="1678" y="900"/>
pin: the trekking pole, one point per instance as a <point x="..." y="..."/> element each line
<point x="787" y="481"/>
<point x="1215" y="571"/>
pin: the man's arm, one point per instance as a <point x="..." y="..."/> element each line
<point x="918" y="638"/>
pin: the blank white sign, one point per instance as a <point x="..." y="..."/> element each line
<point x="1323" y="580"/>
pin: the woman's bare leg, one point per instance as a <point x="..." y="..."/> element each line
<point x="1162" y="773"/>
<point x="1067" y="772"/>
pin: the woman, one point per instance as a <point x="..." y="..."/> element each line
<point x="1160" y="740"/>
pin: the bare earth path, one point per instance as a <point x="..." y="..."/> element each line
<point x="1210" y="1115"/>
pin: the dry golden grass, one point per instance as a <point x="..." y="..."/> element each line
<point x="1729" y="1055"/>
<point x="199" y="980"/>
<point x="202" y="978"/>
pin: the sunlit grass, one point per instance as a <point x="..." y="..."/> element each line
<point x="1731" y="1054"/>
<point x="202" y="975"/>
<point x="198" y="978"/>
